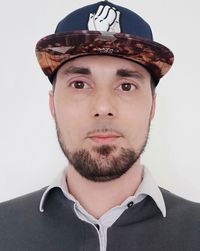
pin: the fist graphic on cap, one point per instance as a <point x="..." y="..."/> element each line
<point x="105" y="19"/>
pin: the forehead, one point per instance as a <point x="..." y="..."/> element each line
<point x="104" y="63"/>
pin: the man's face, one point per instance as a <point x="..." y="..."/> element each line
<point x="102" y="106"/>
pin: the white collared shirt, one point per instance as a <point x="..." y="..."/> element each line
<point x="147" y="187"/>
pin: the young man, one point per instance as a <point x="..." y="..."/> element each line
<point x="104" y="67"/>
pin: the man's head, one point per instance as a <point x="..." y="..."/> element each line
<point x="104" y="67"/>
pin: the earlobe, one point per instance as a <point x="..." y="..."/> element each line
<point x="51" y="103"/>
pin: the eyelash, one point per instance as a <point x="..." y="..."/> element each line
<point x="123" y="83"/>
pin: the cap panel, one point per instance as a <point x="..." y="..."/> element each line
<point x="130" y="22"/>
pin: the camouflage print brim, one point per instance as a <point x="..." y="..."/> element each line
<point x="52" y="51"/>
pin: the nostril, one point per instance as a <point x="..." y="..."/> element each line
<point x="109" y="114"/>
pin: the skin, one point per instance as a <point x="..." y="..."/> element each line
<point x="87" y="103"/>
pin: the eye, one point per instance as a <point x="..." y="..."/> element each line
<point x="127" y="87"/>
<point x="79" y="85"/>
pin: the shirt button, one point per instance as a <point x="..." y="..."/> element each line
<point x="130" y="204"/>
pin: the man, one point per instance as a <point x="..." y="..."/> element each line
<point x="104" y="66"/>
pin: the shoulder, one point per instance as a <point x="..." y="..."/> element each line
<point x="176" y="205"/>
<point x="170" y="197"/>
<point x="23" y="203"/>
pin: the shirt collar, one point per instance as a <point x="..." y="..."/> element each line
<point x="148" y="187"/>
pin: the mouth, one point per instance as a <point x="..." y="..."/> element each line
<point x="104" y="138"/>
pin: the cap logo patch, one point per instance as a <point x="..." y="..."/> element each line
<point x="105" y="19"/>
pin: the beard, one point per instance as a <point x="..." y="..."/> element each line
<point x="108" y="162"/>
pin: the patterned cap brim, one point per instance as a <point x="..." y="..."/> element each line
<point x="53" y="50"/>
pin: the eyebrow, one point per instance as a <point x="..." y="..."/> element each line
<point x="129" y="73"/>
<point x="119" y="73"/>
<point x="77" y="70"/>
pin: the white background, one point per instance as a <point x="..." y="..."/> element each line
<point x="29" y="153"/>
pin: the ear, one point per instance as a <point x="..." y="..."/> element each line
<point x="153" y="107"/>
<point x="51" y="103"/>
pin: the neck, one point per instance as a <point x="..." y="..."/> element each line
<point x="98" y="197"/>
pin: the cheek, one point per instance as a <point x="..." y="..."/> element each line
<point x="136" y="121"/>
<point x="138" y="111"/>
<point x="70" y="118"/>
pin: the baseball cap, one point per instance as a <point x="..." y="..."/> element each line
<point x="103" y="28"/>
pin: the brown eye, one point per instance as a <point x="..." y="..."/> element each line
<point x="127" y="87"/>
<point x="79" y="85"/>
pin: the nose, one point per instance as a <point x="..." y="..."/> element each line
<point x="103" y="105"/>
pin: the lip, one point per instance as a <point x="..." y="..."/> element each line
<point x="104" y="137"/>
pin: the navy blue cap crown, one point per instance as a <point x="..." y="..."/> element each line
<point x="130" y="22"/>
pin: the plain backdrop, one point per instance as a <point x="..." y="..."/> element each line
<point x="30" y="156"/>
